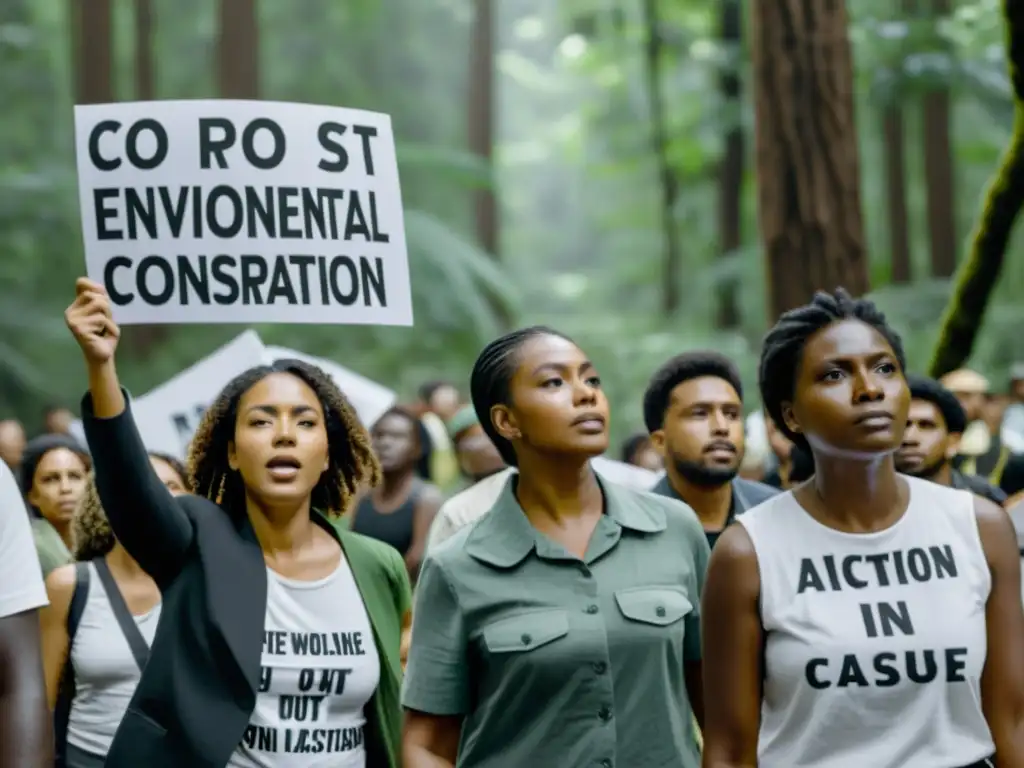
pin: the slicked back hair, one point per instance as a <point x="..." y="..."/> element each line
<point x="491" y="380"/>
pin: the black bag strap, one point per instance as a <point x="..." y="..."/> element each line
<point x="66" y="691"/>
<point x="130" y="630"/>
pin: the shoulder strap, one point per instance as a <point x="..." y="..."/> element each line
<point x="130" y="630"/>
<point x="66" y="689"/>
<point x="78" y="601"/>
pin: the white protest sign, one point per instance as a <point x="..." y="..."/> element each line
<point x="243" y="212"/>
<point x="167" y="416"/>
<point x="369" y="398"/>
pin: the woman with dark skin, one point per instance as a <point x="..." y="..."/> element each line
<point x="808" y="667"/>
<point x="102" y="667"/>
<point x="561" y="628"/>
<point x="400" y="510"/>
<point x="53" y="474"/>
<point x="263" y="589"/>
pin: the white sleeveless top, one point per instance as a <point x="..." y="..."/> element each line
<point x="874" y="643"/>
<point x="320" y="667"/>
<point x="106" y="673"/>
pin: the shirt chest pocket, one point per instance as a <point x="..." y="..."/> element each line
<point x="654" y="606"/>
<point x="519" y="635"/>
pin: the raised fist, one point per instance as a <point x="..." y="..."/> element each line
<point x="90" y="321"/>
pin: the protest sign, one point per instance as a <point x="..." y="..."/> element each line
<point x="243" y="212"/>
<point x="369" y="398"/>
<point x="167" y="416"/>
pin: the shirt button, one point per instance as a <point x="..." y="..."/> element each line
<point x="592" y="608"/>
<point x="605" y="713"/>
<point x="606" y="763"/>
<point x="526" y="639"/>
<point x="660" y="610"/>
<point x="600" y="667"/>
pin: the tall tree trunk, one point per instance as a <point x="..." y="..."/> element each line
<point x="938" y="171"/>
<point x="238" y="50"/>
<point x="480" y="113"/>
<point x="672" y="253"/>
<point x="92" y="50"/>
<point x="894" y="150"/>
<point x="730" y="178"/>
<point x="896" y="185"/>
<point x="145" y="78"/>
<point x="1004" y="200"/>
<point x="807" y="159"/>
<point x="481" y="121"/>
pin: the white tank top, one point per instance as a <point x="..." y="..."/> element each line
<point x="319" y="669"/>
<point x="874" y="643"/>
<point x="106" y="673"/>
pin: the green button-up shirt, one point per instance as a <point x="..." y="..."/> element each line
<point x="557" y="662"/>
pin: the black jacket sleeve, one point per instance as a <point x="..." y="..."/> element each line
<point x="143" y="514"/>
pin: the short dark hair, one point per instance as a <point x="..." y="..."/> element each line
<point x="351" y="461"/>
<point x="37" y="448"/>
<point x="930" y="390"/>
<point x="489" y="383"/>
<point x="783" y="348"/>
<point x="688" y="365"/>
<point x="428" y="389"/>
<point x="632" y="444"/>
<point x="422" y="468"/>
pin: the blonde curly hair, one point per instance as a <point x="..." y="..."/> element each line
<point x="91" y="534"/>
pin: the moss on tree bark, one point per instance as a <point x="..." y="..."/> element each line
<point x="977" y="276"/>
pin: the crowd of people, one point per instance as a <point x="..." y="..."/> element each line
<point x="828" y="580"/>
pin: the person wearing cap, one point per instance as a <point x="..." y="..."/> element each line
<point x="1012" y="432"/>
<point x="935" y="423"/>
<point x="484" y="474"/>
<point x="981" y="450"/>
<point x="476" y="454"/>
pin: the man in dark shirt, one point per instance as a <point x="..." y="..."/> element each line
<point x="935" y="422"/>
<point x="693" y="409"/>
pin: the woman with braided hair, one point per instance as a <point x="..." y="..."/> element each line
<point x="278" y="644"/>
<point x="862" y="618"/>
<point x="97" y="629"/>
<point x="562" y="628"/>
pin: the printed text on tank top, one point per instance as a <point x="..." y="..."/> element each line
<point x="874" y="643"/>
<point x="319" y="669"/>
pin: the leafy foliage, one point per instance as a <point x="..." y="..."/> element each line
<point x="575" y="176"/>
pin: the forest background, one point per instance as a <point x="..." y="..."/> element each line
<point x="589" y="164"/>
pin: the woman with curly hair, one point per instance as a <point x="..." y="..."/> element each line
<point x="53" y="473"/>
<point x="280" y="640"/>
<point x="97" y="629"/>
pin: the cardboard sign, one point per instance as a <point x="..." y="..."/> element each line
<point x="369" y="398"/>
<point x="243" y="212"/>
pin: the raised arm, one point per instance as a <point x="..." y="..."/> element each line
<point x="143" y="514"/>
